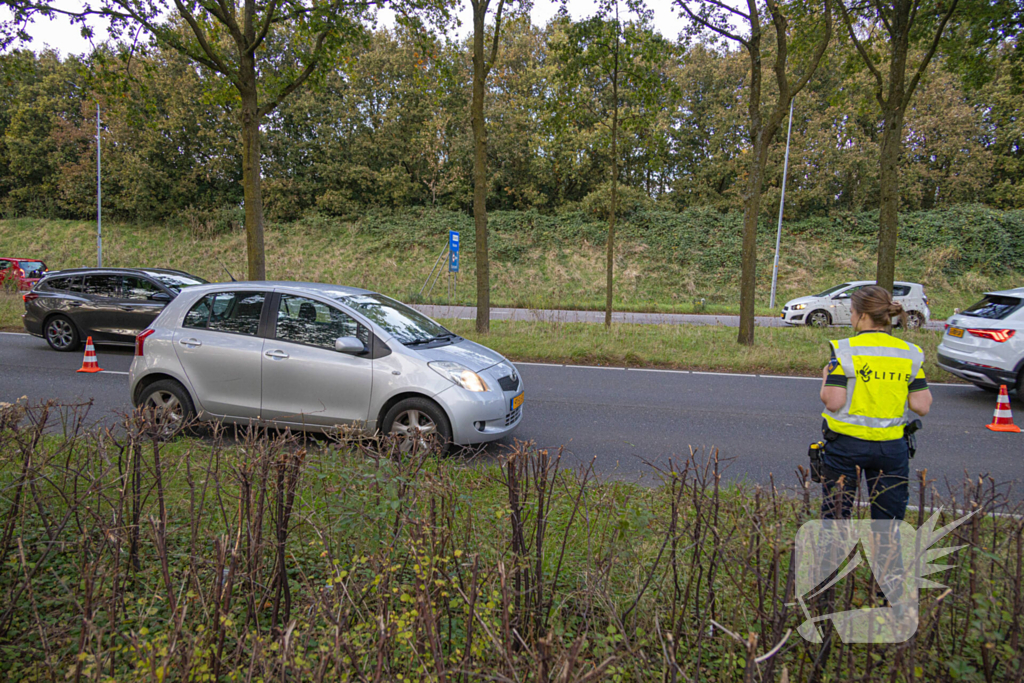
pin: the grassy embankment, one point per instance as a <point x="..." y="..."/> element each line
<point x="667" y="262"/>
<point x="128" y="559"/>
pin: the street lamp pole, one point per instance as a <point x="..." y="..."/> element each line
<point x="782" y="203"/>
<point x="99" y="196"/>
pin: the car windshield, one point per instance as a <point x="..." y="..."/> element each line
<point x="835" y="289"/>
<point x="176" y="281"/>
<point x="407" y="325"/>
<point x="994" y="307"/>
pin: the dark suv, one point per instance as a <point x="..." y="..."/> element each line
<point x="111" y="305"/>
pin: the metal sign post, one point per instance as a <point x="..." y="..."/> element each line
<point x="99" y="204"/>
<point x="453" y="265"/>
<point x="782" y="203"/>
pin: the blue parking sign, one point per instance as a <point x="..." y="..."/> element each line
<point x="453" y="251"/>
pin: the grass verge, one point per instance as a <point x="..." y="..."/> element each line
<point x="11" y="308"/>
<point x="128" y="558"/>
<point x="781" y="351"/>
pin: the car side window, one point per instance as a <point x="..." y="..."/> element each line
<point x="75" y="285"/>
<point x="59" y="284"/>
<point x="4" y="265"/>
<point x="237" y="312"/>
<point x="199" y="314"/>
<point x="103" y="285"/>
<point x="846" y="294"/>
<point x="306" y="321"/>
<point x="137" y="288"/>
<point x="901" y="290"/>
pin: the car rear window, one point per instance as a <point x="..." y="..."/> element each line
<point x="994" y="307"/>
<point x="33" y="268"/>
<point x="901" y="290"/>
<point x="176" y="281"/>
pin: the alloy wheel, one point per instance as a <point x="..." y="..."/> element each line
<point x="818" y="319"/>
<point x="414" y="429"/>
<point x="167" y="410"/>
<point x="60" y="333"/>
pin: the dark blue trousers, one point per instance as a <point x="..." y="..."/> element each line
<point x="886" y="467"/>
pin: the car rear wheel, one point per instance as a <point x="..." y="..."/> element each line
<point x="915" y="320"/>
<point x="416" y="422"/>
<point x="818" y="318"/>
<point x="169" y="405"/>
<point x="61" y="334"/>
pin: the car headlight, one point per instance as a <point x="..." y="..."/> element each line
<point x="799" y="307"/>
<point x="459" y="374"/>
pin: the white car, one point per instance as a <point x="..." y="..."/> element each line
<point x="832" y="307"/>
<point x="985" y="343"/>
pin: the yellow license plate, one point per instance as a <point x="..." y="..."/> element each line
<point x="517" y="401"/>
<point x="956" y="332"/>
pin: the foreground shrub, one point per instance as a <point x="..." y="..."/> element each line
<point x="255" y="556"/>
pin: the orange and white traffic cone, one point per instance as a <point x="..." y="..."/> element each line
<point x="90" y="364"/>
<point x="1002" y="421"/>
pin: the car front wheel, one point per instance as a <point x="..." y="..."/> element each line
<point x="61" y="334"/>
<point x="818" y="318"/>
<point x="416" y="422"/>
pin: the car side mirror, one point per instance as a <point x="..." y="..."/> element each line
<point x="349" y="345"/>
<point x="160" y="296"/>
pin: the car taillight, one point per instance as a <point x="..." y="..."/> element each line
<point x="994" y="335"/>
<point x="29" y="296"/>
<point x="140" y="341"/>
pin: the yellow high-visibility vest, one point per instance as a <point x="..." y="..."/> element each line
<point x="879" y="369"/>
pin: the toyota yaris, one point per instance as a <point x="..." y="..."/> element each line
<point x="317" y="356"/>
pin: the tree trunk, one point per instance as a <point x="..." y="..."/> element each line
<point x="748" y="256"/>
<point x="615" y="187"/>
<point x="251" y="183"/>
<point x="889" y="208"/>
<point x="483" y="269"/>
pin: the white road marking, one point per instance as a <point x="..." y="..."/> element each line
<point x="678" y="372"/>
<point x="723" y="374"/>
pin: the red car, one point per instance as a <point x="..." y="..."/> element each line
<point x="23" y="271"/>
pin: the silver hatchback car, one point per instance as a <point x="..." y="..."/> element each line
<point x="314" y="356"/>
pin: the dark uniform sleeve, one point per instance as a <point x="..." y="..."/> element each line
<point x="836" y="378"/>
<point x="919" y="383"/>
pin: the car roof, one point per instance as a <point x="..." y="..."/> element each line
<point x="15" y="258"/>
<point x="322" y="288"/>
<point x="81" y="271"/>
<point x="854" y="283"/>
<point x="1017" y="291"/>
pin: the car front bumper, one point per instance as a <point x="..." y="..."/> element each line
<point x="793" y="317"/>
<point x="481" y="417"/>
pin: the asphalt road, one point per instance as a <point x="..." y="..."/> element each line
<point x="760" y="424"/>
<point x="552" y="315"/>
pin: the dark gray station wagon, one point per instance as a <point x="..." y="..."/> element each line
<point x="111" y="305"/>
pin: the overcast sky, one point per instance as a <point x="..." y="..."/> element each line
<point x="65" y="38"/>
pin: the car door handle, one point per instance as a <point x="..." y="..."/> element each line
<point x="279" y="355"/>
<point x="190" y="342"/>
<point x="127" y="309"/>
<point x="74" y="304"/>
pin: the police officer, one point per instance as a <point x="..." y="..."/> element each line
<point x="866" y="388"/>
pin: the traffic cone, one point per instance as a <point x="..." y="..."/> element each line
<point x="1002" y="421"/>
<point x="90" y="364"/>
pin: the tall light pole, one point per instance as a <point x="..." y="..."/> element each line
<point x="99" y="195"/>
<point x="782" y="203"/>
